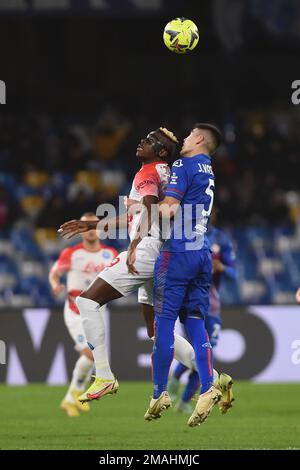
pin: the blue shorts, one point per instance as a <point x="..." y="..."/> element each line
<point x="181" y="284"/>
<point x="213" y="325"/>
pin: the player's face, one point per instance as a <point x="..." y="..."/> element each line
<point x="145" y="148"/>
<point x="91" y="235"/>
<point x="191" y="142"/>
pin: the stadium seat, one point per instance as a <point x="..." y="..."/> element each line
<point x="32" y="204"/>
<point x="36" y="179"/>
<point x="89" y="179"/>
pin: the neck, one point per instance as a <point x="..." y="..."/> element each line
<point x="197" y="152"/>
<point x="151" y="160"/>
<point x="91" y="245"/>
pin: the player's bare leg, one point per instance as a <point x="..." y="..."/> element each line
<point x="90" y="303"/>
<point x="81" y="375"/>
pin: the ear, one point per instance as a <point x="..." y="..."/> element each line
<point x="163" y="153"/>
<point x="200" y="139"/>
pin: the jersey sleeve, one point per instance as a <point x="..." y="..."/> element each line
<point x="147" y="184"/>
<point x="63" y="264"/>
<point x="178" y="181"/>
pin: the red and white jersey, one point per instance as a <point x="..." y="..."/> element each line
<point x="150" y="180"/>
<point x="81" y="266"/>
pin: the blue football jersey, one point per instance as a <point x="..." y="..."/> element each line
<point x="192" y="182"/>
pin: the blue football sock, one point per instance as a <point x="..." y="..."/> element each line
<point x="198" y="336"/>
<point x="179" y="370"/>
<point x="191" y="387"/>
<point x="163" y="353"/>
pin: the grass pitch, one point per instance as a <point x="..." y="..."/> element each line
<point x="264" y="417"/>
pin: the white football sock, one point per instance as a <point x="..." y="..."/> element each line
<point x="81" y="373"/>
<point x="185" y="354"/>
<point x="93" y="325"/>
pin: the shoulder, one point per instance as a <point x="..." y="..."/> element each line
<point x="148" y="174"/>
<point x="64" y="261"/>
<point x="68" y="252"/>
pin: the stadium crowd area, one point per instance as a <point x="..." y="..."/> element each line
<point x="54" y="169"/>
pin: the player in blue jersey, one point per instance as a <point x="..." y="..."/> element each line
<point x="223" y="265"/>
<point x="183" y="271"/>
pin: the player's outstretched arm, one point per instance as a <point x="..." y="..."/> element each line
<point x="74" y="227"/>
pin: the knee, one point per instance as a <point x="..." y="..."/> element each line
<point x="84" y="295"/>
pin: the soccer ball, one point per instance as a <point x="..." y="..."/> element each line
<point x="181" y="35"/>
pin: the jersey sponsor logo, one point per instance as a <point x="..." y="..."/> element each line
<point x="144" y="183"/>
<point x="178" y="163"/>
<point x="91" y="267"/>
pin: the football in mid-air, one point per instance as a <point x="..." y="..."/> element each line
<point x="181" y="35"/>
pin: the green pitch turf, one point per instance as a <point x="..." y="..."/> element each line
<point x="264" y="417"/>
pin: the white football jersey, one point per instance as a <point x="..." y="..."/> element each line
<point x="81" y="266"/>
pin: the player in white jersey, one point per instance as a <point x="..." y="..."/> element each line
<point x="80" y="263"/>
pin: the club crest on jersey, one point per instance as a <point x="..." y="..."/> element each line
<point x="178" y="163"/>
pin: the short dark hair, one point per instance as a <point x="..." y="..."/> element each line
<point x="214" y="131"/>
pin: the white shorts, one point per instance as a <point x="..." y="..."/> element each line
<point x="145" y="293"/>
<point x="118" y="277"/>
<point x="74" y="326"/>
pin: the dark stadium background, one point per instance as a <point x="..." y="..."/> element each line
<point x="82" y="86"/>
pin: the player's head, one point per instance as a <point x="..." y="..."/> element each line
<point x="160" y="144"/>
<point x="203" y="138"/>
<point x="91" y="235"/>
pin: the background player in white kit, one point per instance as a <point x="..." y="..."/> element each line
<point x="81" y="263"/>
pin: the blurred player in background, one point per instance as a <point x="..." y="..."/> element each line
<point x="80" y="263"/>
<point x="223" y="265"/>
<point x="298" y="296"/>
